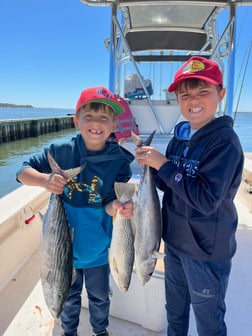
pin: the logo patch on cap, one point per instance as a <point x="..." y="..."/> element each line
<point x="102" y="92"/>
<point x="194" y="66"/>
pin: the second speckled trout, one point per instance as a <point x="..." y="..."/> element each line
<point x="121" y="253"/>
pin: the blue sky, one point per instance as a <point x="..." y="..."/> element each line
<point x="50" y="50"/>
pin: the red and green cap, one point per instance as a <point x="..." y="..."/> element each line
<point x="200" y="68"/>
<point x="100" y="94"/>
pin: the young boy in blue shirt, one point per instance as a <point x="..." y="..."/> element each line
<point x="89" y="200"/>
<point x="199" y="175"/>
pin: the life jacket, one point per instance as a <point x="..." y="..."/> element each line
<point x="126" y="122"/>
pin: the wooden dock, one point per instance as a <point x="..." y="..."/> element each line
<point x="11" y="130"/>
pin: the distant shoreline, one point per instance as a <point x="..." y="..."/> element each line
<point x="14" y="105"/>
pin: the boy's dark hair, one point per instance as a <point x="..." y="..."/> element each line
<point x="193" y="83"/>
<point x="96" y="106"/>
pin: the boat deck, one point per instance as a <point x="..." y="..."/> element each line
<point x="24" y="311"/>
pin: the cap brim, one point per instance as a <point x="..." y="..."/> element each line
<point x="174" y="85"/>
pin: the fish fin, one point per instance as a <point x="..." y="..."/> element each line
<point x="72" y="233"/>
<point x="74" y="276"/>
<point x="158" y="255"/>
<point x="41" y="215"/>
<point x="133" y="225"/>
<point x="124" y="191"/>
<point x="66" y="173"/>
<point x="49" y="276"/>
<point x="115" y="265"/>
<point x="136" y="139"/>
<point x="114" y="216"/>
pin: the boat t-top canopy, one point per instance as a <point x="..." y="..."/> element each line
<point x="172" y="31"/>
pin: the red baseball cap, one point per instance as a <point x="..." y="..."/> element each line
<point x="100" y="94"/>
<point x="198" y="67"/>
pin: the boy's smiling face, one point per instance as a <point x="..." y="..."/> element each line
<point x="199" y="104"/>
<point x="95" y="125"/>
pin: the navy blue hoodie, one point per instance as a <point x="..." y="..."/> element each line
<point x="86" y="194"/>
<point x="200" y="181"/>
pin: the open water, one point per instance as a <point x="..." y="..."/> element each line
<point x="12" y="154"/>
<point x="8" y="113"/>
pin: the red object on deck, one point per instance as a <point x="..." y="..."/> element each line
<point x="126" y="122"/>
<point x="29" y="220"/>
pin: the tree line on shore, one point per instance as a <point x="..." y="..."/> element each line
<point x="14" y="105"/>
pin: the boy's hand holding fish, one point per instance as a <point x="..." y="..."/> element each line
<point x="146" y="155"/>
<point x="125" y="209"/>
<point x="55" y="183"/>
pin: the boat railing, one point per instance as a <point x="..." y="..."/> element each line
<point x="20" y="228"/>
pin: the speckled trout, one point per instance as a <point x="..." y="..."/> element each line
<point x="56" y="256"/>
<point x="121" y="253"/>
<point x="147" y="221"/>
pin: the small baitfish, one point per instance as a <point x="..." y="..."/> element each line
<point x="56" y="258"/>
<point x="147" y="221"/>
<point x="121" y="253"/>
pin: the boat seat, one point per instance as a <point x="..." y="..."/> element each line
<point x="133" y="88"/>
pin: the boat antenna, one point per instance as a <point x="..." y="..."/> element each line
<point x="243" y="78"/>
<point x="237" y="46"/>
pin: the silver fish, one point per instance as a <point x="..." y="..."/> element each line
<point x="56" y="256"/>
<point x="148" y="222"/>
<point x="121" y="253"/>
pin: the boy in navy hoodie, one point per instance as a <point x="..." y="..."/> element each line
<point x="199" y="175"/>
<point x="89" y="200"/>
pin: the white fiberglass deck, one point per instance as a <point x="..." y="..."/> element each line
<point x="23" y="311"/>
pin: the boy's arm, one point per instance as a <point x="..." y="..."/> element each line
<point x="52" y="182"/>
<point x="32" y="177"/>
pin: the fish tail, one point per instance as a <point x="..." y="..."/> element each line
<point x="137" y="140"/>
<point x="148" y="141"/>
<point x="124" y="191"/>
<point x="158" y="255"/>
<point x="66" y="173"/>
